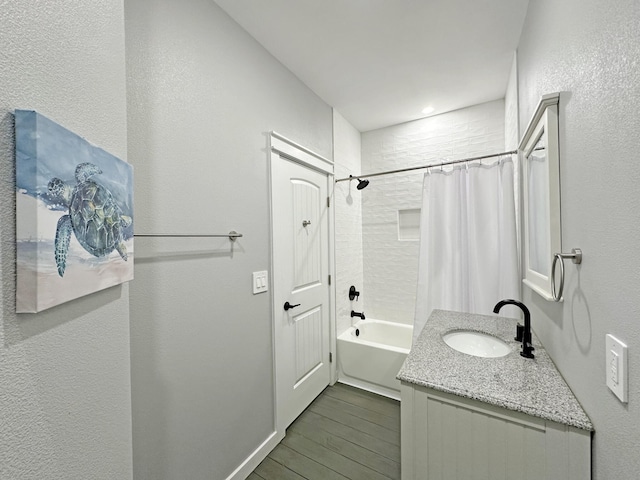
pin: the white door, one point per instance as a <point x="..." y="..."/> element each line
<point x="300" y="271"/>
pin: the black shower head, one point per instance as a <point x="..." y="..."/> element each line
<point x="361" y="183"/>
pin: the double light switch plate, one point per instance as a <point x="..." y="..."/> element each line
<point x="260" y="282"/>
<point x="617" y="367"/>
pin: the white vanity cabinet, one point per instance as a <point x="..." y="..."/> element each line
<point x="449" y="437"/>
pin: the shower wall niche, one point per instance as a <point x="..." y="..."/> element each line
<point x="409" y="224"/>
<point x="390" y="250"/>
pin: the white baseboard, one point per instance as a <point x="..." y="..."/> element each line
<point x="253" y="460"/>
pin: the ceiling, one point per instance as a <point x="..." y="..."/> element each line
<point x="381" y="62"/>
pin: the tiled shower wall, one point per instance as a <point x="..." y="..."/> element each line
<point x="348" y="226"/>
<point x="391" y="265"/>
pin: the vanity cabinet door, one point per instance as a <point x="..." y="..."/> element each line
<point x="446" y="437"/>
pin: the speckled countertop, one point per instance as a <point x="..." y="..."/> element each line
<point x="531" y="386"/>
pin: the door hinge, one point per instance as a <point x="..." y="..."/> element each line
<point x="328" y="202"/>
<point x="329" y="279"/>
<point x="330" y="357"/>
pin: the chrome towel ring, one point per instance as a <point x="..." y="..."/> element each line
<point x="576" y="256"/>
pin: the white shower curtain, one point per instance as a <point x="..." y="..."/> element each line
<point x="468" y="245"/>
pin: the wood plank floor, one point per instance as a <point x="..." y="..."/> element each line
<point x="346" y="433"/>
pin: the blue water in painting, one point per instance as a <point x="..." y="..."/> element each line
<point x="45" y="149"/>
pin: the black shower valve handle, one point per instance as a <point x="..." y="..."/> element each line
<point x="353" y="294"/>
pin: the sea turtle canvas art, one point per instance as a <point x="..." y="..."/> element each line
<point x="94" y="217"/>
<point x="74" y="206"/>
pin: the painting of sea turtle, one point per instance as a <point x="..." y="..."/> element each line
<point x="94" y="217"/>
<point x="74" y="214"/>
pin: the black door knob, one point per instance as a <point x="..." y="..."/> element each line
<point x="287" y="306"/>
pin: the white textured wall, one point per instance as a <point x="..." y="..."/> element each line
<point x="65" y="407"/>
<point x="348" y="228"/>
<point x="512" y="136"/>
<point x="202" y="97"/>
<point x="589" y="51"/>
<point x="390" y="265"/>
<point x="511" y="120"/>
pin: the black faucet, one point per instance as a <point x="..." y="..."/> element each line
<point x="523" y="334"/>
<point x="356" y="314"/>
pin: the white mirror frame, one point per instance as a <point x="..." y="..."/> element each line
<point x="543" y="124"/>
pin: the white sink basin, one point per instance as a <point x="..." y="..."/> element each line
<point x="476" y="343"/>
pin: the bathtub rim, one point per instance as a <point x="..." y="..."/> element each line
<point x="349" y="335"/>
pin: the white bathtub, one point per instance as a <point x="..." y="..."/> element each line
<point x="372" y="359"/>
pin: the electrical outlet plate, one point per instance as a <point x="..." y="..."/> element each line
<point x="616" y="367"/>
<point x="260" y="282"/>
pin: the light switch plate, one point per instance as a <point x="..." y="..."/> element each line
<point x="616" y="367"/>
<point x="260" y="282"/>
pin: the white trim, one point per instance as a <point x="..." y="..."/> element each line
<point x="331" y="191"/>
<point x="539" y="290"/>
<point x="281" y="147"/>
<point x="544" y="123"/>
<point x="545" y="101"/>
<point x="272" y="281"/>
<point x="333" y="333"/>
<point x="253" y="460"/>
<point x="297" y="153"/>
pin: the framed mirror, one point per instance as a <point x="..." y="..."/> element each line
<point x="541" y="195"/>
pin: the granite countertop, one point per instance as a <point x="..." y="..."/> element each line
<point x="531" y="386"/>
